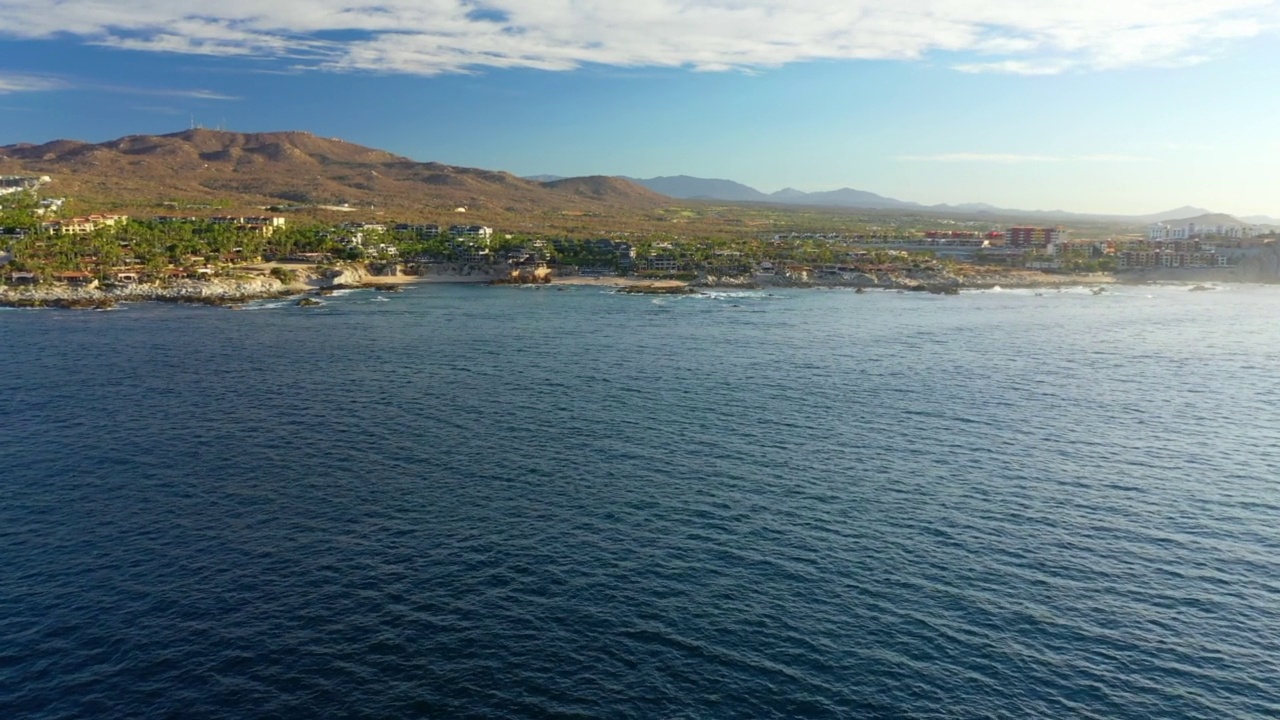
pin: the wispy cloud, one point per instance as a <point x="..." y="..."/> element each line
<point x="163" y="92"/>
<point x="19" y="82"/>
<point x="1013" y="158"/>
<point x="428" y="37"/>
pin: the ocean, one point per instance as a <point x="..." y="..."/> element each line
<point x="510" y="502"/>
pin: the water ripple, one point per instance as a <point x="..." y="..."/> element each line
<point x="480" y="502"/>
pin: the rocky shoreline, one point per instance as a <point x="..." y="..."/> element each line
<point x="941" y="282"/>
<point x="221" y="291"/>
<point x="256" y="283"/>
<point x="260" y="282"/>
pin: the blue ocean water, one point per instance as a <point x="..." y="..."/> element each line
<point x="516" y="502"/>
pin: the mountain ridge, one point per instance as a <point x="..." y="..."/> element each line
<point x="693" y="188"/>
<point x="203" y="167"/>
<point x="209" y="168"/>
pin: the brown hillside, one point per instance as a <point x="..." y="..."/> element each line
<point x="251" y="170"/>
<point x="604" y="187"/>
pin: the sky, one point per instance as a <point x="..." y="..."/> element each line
<point x="1133" y="106"/>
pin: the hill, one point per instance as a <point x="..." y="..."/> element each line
<point x="684" y="186"/>
<point x="1208" y="219"/>
<point x="251" y="170"/>
<point x="849" y="197"/>
<point x="606" y="188"/>
<point x="1186" y="211"/>
<point x="694" y="188"/>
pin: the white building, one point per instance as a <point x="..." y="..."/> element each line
<point x="1215" y="225"/>
<point x="471" y="231"/>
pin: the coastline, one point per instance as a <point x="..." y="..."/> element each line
<point x="935" y="281"/>
<point x="257" y="281"/>
<point x="969" y="280"/>
<point x="262" y="281"/>
<point x="617" y="282"/>
<point x="250" y="283"/>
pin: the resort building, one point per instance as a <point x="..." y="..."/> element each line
<point x="1033" y="237"/>
<point x="471" y="231"/>
<point x="473" y="253"/>
<point x="1087" y="248"/>
<point x="264" y="226"/>
<point x="660" y="263"/>
<point x="363" y="227"/>
<point x="1202" y="226"/>
<point x="422" y="231"/>
<point x="1134" y="259"/>
<point x="83" y="225"/>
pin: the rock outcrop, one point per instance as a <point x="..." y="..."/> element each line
<point x="217" y="291"/>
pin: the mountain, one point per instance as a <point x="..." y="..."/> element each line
<point x="848" y="197"/>
<point x="544" y="178"/>
<point x="244" y="170"/>
<point x="692" y="188"/>
<point x="1210" y="219"/>
<point x="1207" y="218"/>
<point x="607" y="188"/>
<point x="1261" y="220"/>
<point x="1186" y="211"/>
<point x="787" y="195"/>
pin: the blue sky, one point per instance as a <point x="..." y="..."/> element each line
<point x="1095" y="106"/>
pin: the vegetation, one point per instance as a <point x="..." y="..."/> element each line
<point x="669" y="242"/>
<point x="284" y="275"/>
<point x="18" y="211"/>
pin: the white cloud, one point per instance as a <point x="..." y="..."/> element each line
<point x="1017" y="67"/>
<point x="1013" y="158"/>
<point x="162" y="92"/>
<point x="440" y="36"/>
<point x="16" y="83"/>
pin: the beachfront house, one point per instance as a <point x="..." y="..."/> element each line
<point x="77" y="278"/>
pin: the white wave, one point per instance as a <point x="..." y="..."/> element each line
<point x="738" y="295"/>
<point x="266" y="305"/>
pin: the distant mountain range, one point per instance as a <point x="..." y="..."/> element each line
<point x="695" y="188"/>
<point x="209" y="168"/>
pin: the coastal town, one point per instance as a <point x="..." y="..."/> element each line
<point x="44" y="252"/>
